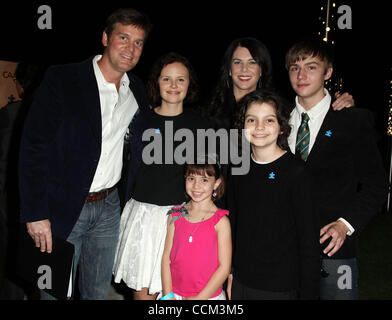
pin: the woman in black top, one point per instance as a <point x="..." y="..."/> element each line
<point x="275" y="236"/>
<point x="246" y="66"/>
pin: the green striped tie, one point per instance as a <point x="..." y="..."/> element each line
<point x="303" y="137"/>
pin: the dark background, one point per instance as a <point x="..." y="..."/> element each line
<point x="201" y="30"/>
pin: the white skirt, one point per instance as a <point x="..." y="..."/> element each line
<point x="220" y="296"/>
<point x="140" y="246"/>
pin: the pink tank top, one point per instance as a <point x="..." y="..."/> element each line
<point x="193" y="261"/>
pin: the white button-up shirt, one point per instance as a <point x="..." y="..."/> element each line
<point x="316" y="118"/>
<point x="117" y="111"/>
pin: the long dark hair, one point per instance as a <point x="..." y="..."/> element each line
<point x="222" y="104"/>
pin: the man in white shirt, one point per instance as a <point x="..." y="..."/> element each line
<point x="341" y="154"/>
<point x="72" y="151"/>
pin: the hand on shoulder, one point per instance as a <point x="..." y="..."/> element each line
<point x="342" y="101"/>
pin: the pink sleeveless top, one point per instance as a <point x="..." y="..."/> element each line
<point x="192" y="263"/>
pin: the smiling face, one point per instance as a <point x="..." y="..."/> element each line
<point x="261" y="125"/>
<point x="123" y="48"/>
<point x="245" y="72"/>
<point x="173" y="83"/>
<point x="307" y="78"/>
<point x="201" y="187"/>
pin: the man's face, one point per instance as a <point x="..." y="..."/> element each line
<point x="307" y="77"/>
<point x="124" y="47"/>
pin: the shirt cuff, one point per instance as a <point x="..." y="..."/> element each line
<point x="349" y="226"/>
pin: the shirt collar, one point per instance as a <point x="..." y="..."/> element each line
<point x="101" y="79"/>
<point x="320" y="108"/>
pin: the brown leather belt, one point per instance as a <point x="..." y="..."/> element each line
<point x="100" y="195"/>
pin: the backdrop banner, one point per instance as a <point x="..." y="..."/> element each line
<point x="8" y="91"/>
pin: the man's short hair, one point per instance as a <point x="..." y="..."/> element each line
<point x="128" y="16"/>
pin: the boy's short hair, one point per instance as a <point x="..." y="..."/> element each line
<point x="309" y="48"/>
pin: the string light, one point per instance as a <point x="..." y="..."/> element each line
<point x="389" y="127"/>
<point x="327" y="19"/>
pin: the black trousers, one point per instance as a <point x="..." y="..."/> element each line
<point x="242" y="292"/>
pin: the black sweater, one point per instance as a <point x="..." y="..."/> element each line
<point x="163" y="184"/>
<point x="275" y="230"/>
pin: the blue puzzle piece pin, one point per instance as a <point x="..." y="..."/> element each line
<point x="271" y="176"/>
<point x="328" y="133"/>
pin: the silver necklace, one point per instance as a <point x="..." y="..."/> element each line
<point x="195" y="229"/>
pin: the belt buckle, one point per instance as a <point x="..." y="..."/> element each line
<point x="100" y="195"/>
<point x="93" y="196"/>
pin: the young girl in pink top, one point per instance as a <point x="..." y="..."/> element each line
<point x="197" y="256"/>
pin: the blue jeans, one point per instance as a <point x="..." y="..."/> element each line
<point x="95" y="237"/>
<point x="342" y="281"/>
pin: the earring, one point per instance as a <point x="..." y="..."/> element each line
<point x="214" y="194"/>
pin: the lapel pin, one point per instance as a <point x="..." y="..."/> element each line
<point x="157" y="131"/>
<point x="271" y="176"/>
<point x="328" y="133"/>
